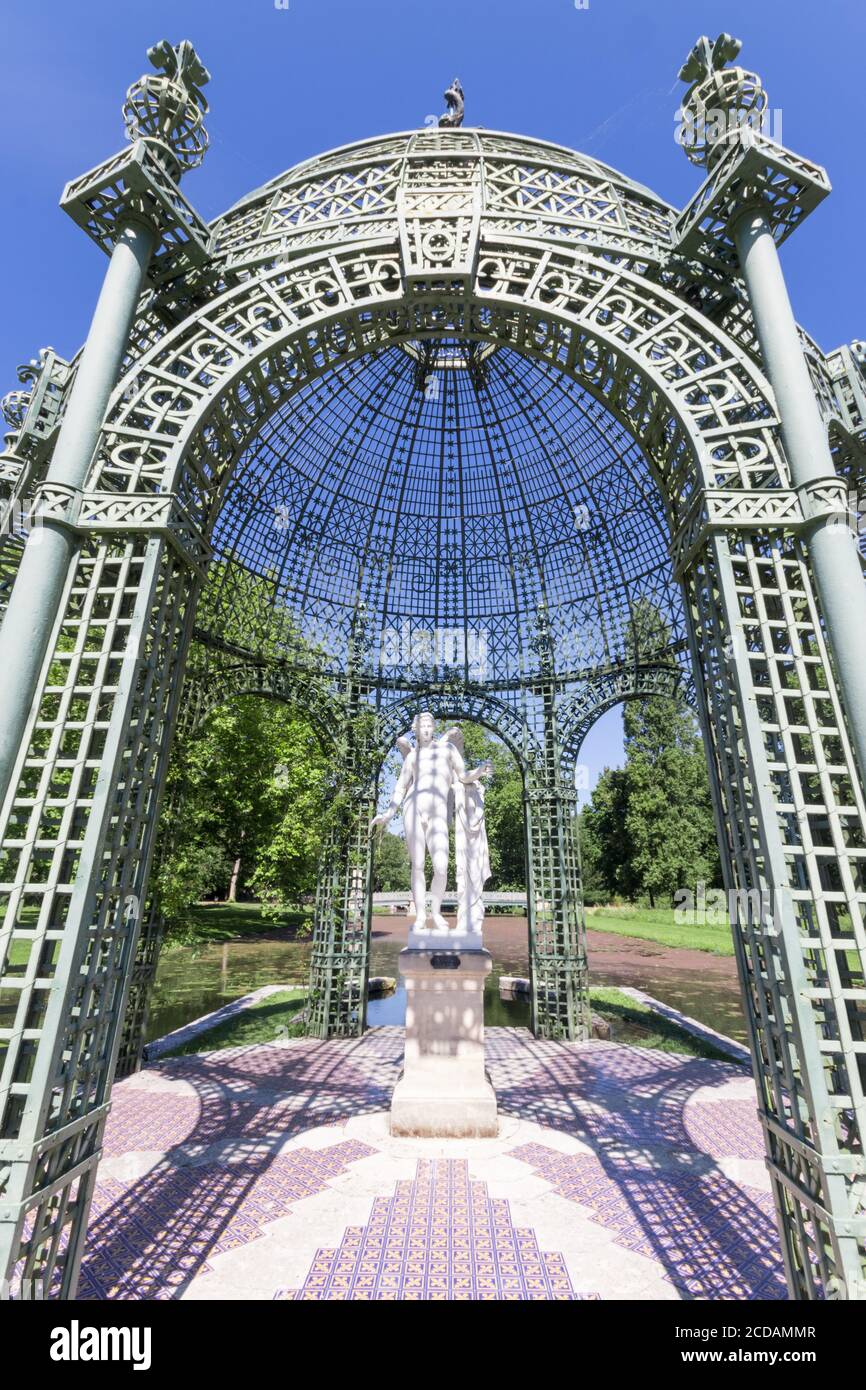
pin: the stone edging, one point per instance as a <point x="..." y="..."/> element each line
<point x="157" y="1048"/>
<point x="736" y="1051"/>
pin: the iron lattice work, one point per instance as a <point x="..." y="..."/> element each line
<point x="438" y="417"/>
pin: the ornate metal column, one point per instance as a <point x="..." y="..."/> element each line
<point x="130" y="207"/>
<point x="341" y="928"/>
<point x="339" y="968"/>
<point x="557" y="938"/>
<point x="78" y="825"/>
<point x="831" y="541"/>
<point x="723" y="109"/>
<point x="784" y="768"/>
<point x="33" y="411"/>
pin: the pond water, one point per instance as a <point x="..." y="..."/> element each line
<point x="192" y="981"/>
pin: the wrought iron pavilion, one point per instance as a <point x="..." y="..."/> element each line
<point x="449" y="416"/>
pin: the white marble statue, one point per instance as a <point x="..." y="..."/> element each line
<point x="432" y="785"/>
<point x="471" y="850"/>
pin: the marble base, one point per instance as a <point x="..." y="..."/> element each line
<point x="444" y="1091"/>
<point x="429" y="939"/>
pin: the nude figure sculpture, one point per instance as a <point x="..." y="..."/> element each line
<point x="434" y="785"/>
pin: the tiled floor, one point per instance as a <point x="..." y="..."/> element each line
<point x="269" y="1171"/>
<point x="440" y="1236"/>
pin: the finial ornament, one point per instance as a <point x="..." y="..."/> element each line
<point x="455" y="103"/>
<point x="720" y="102"/>
<point x="168" y="107"/>
<point x="13" y="407"/>
<point x="14" y="404"/>
<point x="707" y="58"/>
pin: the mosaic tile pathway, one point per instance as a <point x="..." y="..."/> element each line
<point x="439" y="1237"/>
<point x="268" y="1171"/>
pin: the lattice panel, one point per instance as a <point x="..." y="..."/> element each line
<point x="76" y="851"/>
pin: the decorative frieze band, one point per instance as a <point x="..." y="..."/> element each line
<point x="113" y="513"/>
<point x="783" y="509"/>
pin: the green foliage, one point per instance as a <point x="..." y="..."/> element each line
<point x="250" y="789"/>
<point x="649" y="828"/>
<point x="391" y="865"/>
<point x="211" y="923"/>
<point x="196" y="869"/>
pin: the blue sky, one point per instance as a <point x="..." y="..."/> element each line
<point x="287" y="83"/>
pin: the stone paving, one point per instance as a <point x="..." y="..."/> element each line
<point x="268" y="1172"/>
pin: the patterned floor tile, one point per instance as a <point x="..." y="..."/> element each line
<point x="650" y="1166"/>
<point x="714" y="1239"/>
<point x="148" y="1239"/>
<point x="439" y="1237"/>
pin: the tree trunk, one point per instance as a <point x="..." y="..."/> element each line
<point x="233" y="882"/>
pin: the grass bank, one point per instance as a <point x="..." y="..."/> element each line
<point x="638" y="1025"/>
<point x="270" y="1020"/>
<point x="278" y="1017"/>
<point x="218" y="922"/>
<point x="660" y="924"/>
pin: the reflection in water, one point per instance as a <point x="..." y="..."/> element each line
<point x="497" y="1012"/>
<point x="195" y="981"/>
<point x="192" y="981"/>
<point x="188" y="986"/>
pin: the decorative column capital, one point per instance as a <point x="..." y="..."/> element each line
<point x="33" y="410"/>
<point x="164" y="115"/>
<point x="722" y="123"/>
<point x="167" y="108"/>
<point x="720" y="101"/>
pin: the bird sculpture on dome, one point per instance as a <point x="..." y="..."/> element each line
<point x="455" y="103"/>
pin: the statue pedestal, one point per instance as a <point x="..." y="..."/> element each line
<point x="444" y="1091"/>
<point x="428" y="939"/>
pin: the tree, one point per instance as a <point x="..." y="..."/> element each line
<point x="649" y="827"/>
<point x="391" y="865"/>
<point x="250" y="790"/>
<point x="592" y="880"/>
<point x="604" y="843"/>
<point x="669" y="823"/>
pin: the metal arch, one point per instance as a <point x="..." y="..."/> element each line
<point x="270" y="680"/>
<point x="706" y="382"/>
<point x="782" y="767"/>
<point x="477" y="706"/>
<point x="204" y="690"/>
<point x="580" y="711"/>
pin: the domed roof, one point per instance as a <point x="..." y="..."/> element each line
<point x="448" y="499"/>
<point x="531" y="184"/>
<point x="436" y="504"/>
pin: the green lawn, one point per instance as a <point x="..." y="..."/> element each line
<point x="659" y="924"/>
<point x="638" y="1024"/>
<point x="271" y="1020"/>
<point x="234" y="921"/>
